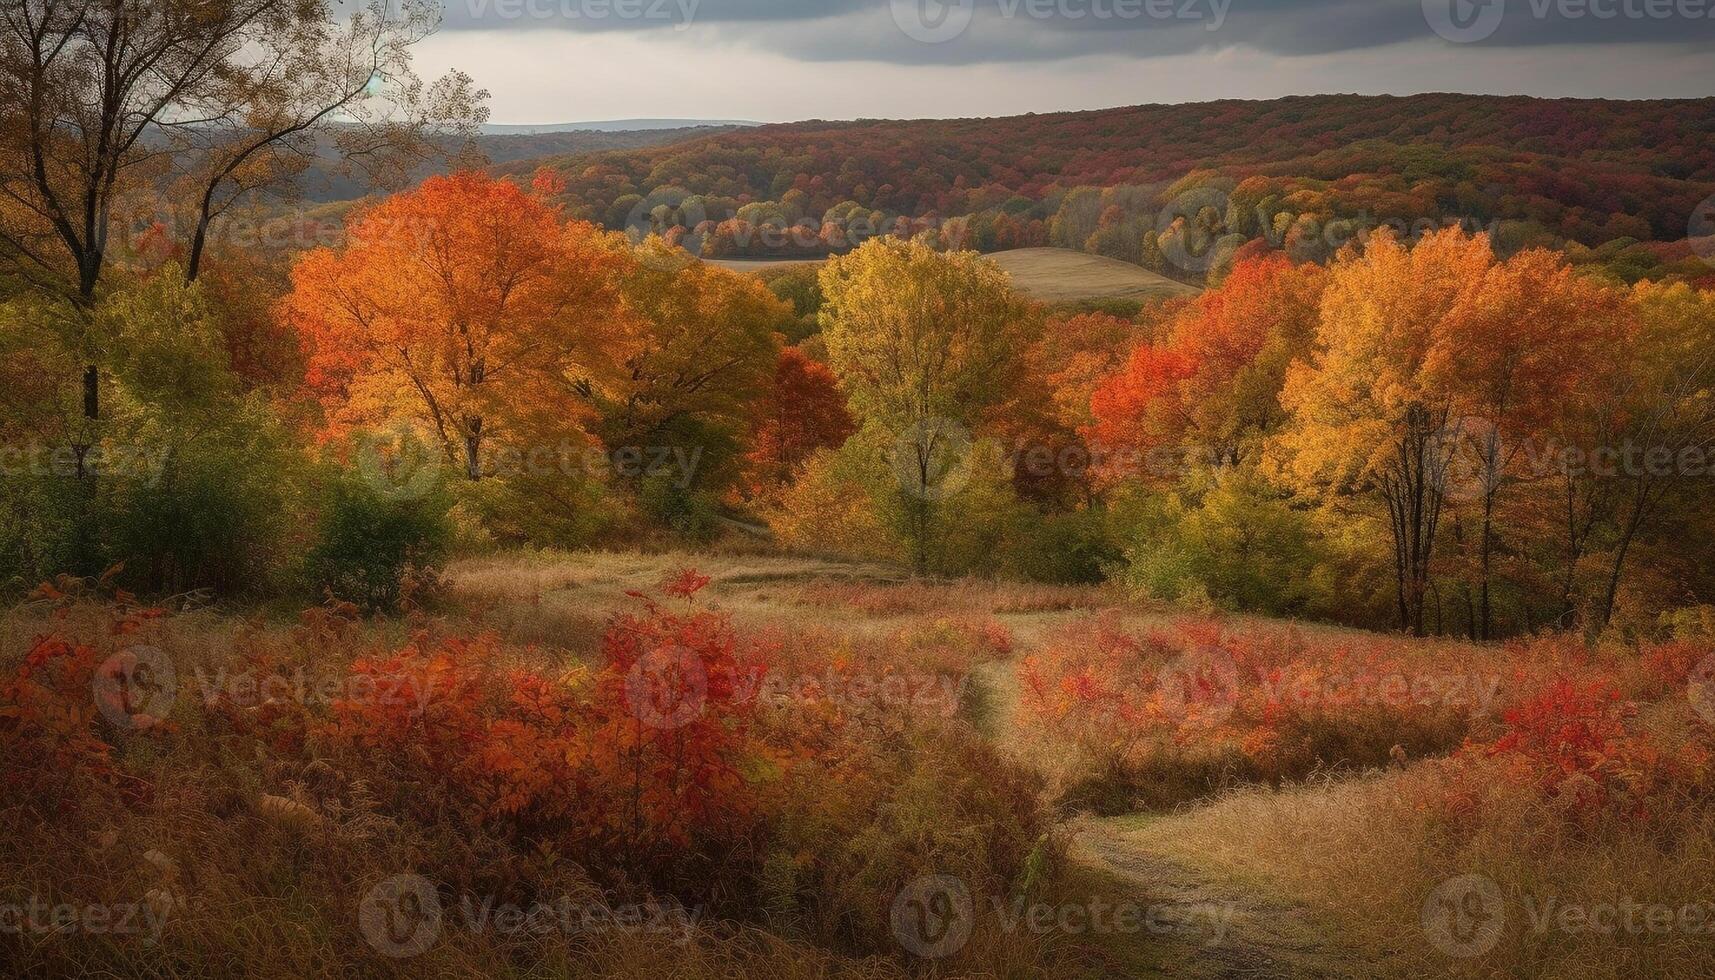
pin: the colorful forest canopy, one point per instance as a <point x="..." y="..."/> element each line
<point x="1592" y="173"/>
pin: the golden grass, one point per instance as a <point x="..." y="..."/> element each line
<point x="1049" y="275"/>
<point x="1365" y="857"/>
<point x="1330" y="876"/>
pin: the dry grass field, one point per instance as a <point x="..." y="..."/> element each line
<point x="1050" y="275"/>
<point x="919" y="732"/>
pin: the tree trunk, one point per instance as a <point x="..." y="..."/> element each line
<point x="1486" y="543"/>
<point x="473" y="449"/>
<point x="1640" y="507"/>
<point x="1414" y="508"/>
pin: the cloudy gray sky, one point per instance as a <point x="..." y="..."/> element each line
<point x="777" y="60"/>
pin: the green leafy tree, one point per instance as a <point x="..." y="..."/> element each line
<point x="926" y="344"/>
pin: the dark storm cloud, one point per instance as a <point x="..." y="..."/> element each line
<point x="631" y="15"/>
<point x="990" y="31"/>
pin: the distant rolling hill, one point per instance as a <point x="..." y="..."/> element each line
<point x="1049" y="275"/>
<point x="611" y="126"/>
<point x="325" y="181"/>
<point x="1616" y="183"/>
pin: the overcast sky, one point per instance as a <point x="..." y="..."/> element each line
<point x="778" y="60"/>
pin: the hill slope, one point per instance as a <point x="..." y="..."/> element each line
<point x="1049" y="275"/>
<point x="1537" y="171"/>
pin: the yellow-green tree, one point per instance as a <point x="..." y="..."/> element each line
<point x="927" y="345"/>
<point x="679" y="389"/>
<point x="1665" y="406"/>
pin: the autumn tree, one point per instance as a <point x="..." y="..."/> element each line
<point x="801" y="412"/>
<point x="698" y="352"/>
<point x="1516" y="352"/>
<point x="467" y="304"/>
<point x="110" y="102"/>
<point x="1209" y="388"/>
<point x="1044" y="419"/>
<point x="925" y="343"/>
<point x="106" y="97"/>
<point x="1371" y="407"/>
<point x="1140" y="411"/>
<point x="1663" y="447"/>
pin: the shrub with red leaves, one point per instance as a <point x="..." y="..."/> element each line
<point x="57" y="708"/>
<point x="1576" y="743"/>
<point x="633" y="761"/>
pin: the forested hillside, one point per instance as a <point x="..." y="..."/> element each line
<point x="1617" y="181"/>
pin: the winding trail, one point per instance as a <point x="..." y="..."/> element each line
<point x="1200" y="927"/>
<point x="1199" y="923"/>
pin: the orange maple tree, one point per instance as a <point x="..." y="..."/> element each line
<point x="468" y="305"/>
<point x="1213" y="381"/>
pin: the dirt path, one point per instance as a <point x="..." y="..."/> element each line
<point x="1197" y="925"/>
<point x="1193" y="925"/>
<point x="1200" y="927"/>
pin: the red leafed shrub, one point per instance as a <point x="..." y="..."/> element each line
<point x="1200" y="700"/>
<point x="684" y="583"/>
<point x="48" y="715"/>
<point x="1121" y="697"/>
<point x="1571" y="738"/>
<point x="671" y="708"/>
<point x="632" y="761"/>
<point x="56" y="708"/>
<point x="1576" y="743"/>
<point x="1670" y="667"/>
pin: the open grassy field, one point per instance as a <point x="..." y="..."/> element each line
<point x="1058" y="275"/>
<point x="976" y="752"/>
<point x="1051" y="275"/>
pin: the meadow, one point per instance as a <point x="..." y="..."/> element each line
<point x="1048" y="275"/>
<point x="487" y="787"/>
<point x="1232" y="540"/>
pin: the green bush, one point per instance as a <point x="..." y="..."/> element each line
<point x="185" y="479"/>
<point x="1064" y="549"/>
<point x="373" y="545"/>
<point x="1230" y="537"/>
<point x="206" y="512"/>
<point x="557" y="510"/>
<point x="861" y="500"/>
<point x="666" y="501"/>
